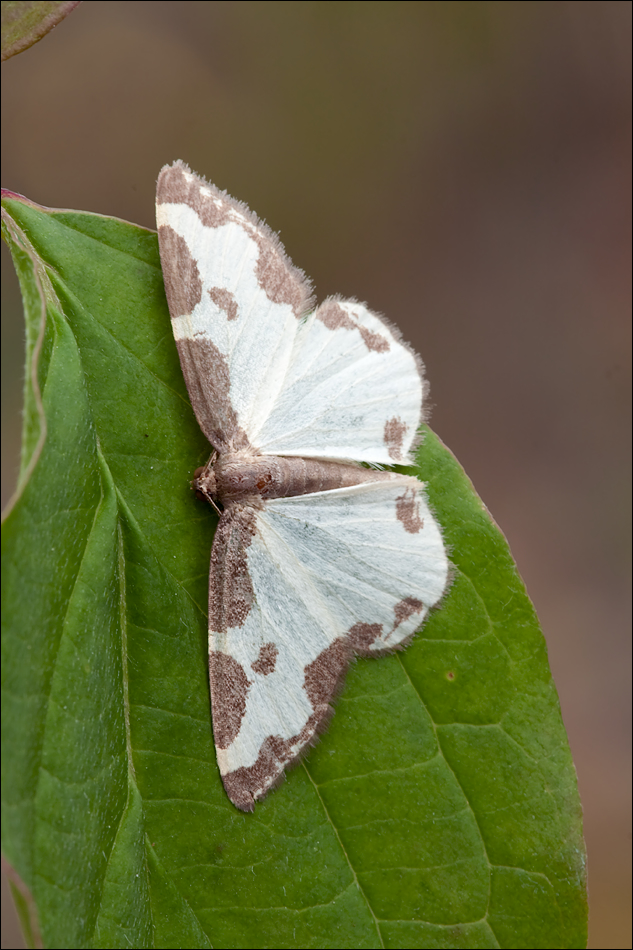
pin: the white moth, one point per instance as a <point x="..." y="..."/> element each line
<point x="315" y="557"/>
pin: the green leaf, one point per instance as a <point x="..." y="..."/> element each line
<point x="26" y="22"/>
<point x="440" y="809"/>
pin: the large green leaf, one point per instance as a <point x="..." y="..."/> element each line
<point x="440" y="809"/>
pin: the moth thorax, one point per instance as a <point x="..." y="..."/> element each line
<point x="240" y="477"/>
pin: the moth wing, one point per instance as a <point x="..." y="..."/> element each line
<point x="352" y="390"/>
<point x="234" y="299"/>
<point x="256" y="372"/>
<point x="296" y="587"/>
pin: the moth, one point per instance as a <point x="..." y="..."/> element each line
<point x="316" y="556"/>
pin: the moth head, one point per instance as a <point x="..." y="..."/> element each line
<point x="204" y="484"/>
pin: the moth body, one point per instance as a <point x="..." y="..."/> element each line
<point x="244" y="478"/>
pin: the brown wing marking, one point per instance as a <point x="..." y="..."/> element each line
<point x="408" y="511"/>
<point x="368" y="639"/>
<point x="229" y="689"/>
<point x="406" y="608"/>
<point x="206" y="373"/>
<point x="183" y="285"/>
<point x="395" y="430"/>
<point x="226" y="301"/>
<point x="363" y="635"/>
<point x="334" y="317"/>
<point x="266" y="661"/>
<point x="230" y="587"/>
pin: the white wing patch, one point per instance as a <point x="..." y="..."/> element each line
<point x="300" y="578"/>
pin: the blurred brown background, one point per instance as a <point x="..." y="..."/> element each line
<point x="463" y="167"/>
